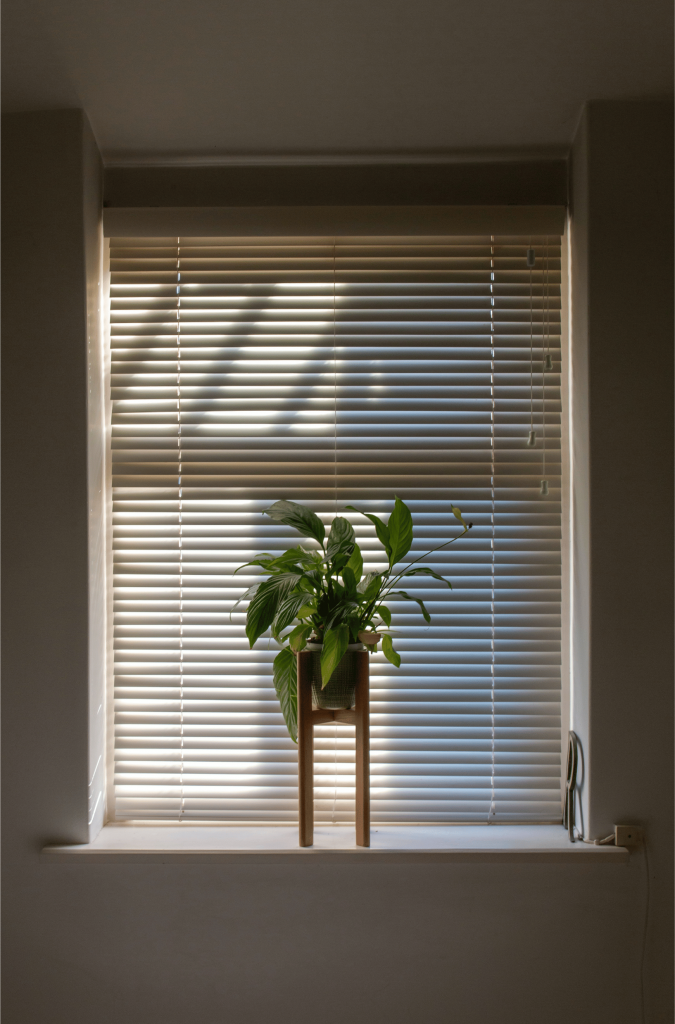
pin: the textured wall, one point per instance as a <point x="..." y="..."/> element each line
<point x="622" y="328"/>
<point x="476" y="944"/>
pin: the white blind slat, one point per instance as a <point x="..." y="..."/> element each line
<point x="247" y="370"/>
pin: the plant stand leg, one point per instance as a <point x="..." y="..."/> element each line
<point x="305" y="750"/>
<point x="362" y="752"/>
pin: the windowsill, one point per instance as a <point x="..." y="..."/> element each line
<point x="389" y="843"/>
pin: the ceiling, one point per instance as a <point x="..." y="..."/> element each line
<point x="210" y="80"/>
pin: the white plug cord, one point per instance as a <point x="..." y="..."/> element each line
<point x="607" y="841"/>
<point x="644" y="935"/>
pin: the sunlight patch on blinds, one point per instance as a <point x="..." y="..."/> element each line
<point x="332" y="374"/>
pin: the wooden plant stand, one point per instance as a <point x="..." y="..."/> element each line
<point x="307" y="719"/>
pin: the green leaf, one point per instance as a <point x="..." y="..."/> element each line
<point x="349" y="582"/>
<point x="286" y="686"/>
<point x="400" y="531"/>
<point x="335" y="643"/>
<point x="263" y="607"/>
<point x="263" y="560"/>
<point x="299" y="517"/>
<point x="388" y="650"/>
<point x="407" y="597"/>
<point x="366" y="581"/>
<point x="342" y="612"/>
<point x="426" y="571"/>
<point x="260" y="614"/>
<point x="381" y="529"/>
<point x="292" y="558"/>
<point x="298" y="638"/>
<point x="287" y="611"/>
<point x="355" y="563"/>
<point x="373" y="588"/>
<point x="250" y="593"/>
<point x="384" y="614"/>
<point x="341" y="541"/>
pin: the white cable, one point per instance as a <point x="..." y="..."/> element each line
<point x="644" y="936"/>
<point x="594" y="842"/>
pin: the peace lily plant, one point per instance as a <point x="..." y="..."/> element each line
<point x="323" y="596"/>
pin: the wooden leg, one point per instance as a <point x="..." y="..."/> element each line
<point x="305" y="750"/>
<point x="362" y="752"/>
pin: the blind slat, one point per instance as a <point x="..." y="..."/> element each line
<point x="244" y="371"/>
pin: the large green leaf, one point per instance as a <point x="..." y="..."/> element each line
<point x="335" y="643"/>
<point x="286" y="686"/>
<point x="260" y="614"/>
<point x="341" y="541"/>
<point x="388" y="650"/>
<point x="381" y="529"/>
<point x="384" y="613"/>
<point x="262" y="559"/>
<point x="287" y="611"/>
<point x="301" y="518"/>
<point x="424" y="570"/>
<point x="263" y="607"/>
<point x="373" y="588"/>
<point x="355" y="563"/>
<point x="298" y="638"/>
<point x="367" y="580"/>
<point x="349" y="582"/>
<point x="400" y="531"/>
<point x="408" y="597"/>
<point x="250" y="593"/>
<point x="342" y="612"/>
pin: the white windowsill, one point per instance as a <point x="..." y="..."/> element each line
<point x="389" y="843"/>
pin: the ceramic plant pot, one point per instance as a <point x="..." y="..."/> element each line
<point x="340" y="691"/>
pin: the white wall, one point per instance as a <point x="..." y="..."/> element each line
<point x="242" y="943"/>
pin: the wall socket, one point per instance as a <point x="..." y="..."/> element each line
<point x="627" y="835"/>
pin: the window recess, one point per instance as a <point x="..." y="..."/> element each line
<point x="337" y="371"/>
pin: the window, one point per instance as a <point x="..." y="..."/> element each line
<point x="333" y="372"/>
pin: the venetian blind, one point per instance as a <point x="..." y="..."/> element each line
<point x="336" y="372"/>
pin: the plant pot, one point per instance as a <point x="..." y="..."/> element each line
<point x="339" y="694"/>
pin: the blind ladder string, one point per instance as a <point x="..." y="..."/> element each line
<point x="180" y="542"/>
<point x="546" y="366"/>
<point x="492" y="810"/>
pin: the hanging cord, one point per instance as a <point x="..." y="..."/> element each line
<point x="569" y="810"/>
<point x="532" y="437"/>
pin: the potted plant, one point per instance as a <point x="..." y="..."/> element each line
<point x="320" y="599"/>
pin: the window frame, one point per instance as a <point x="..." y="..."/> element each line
<point x="147" y="222"/>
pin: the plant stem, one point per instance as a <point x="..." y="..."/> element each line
<point x="402" y="574"/>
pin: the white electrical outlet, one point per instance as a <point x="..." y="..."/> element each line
<point x="627" y="835"/>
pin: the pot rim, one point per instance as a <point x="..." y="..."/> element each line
<point x="350" y="647"/>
